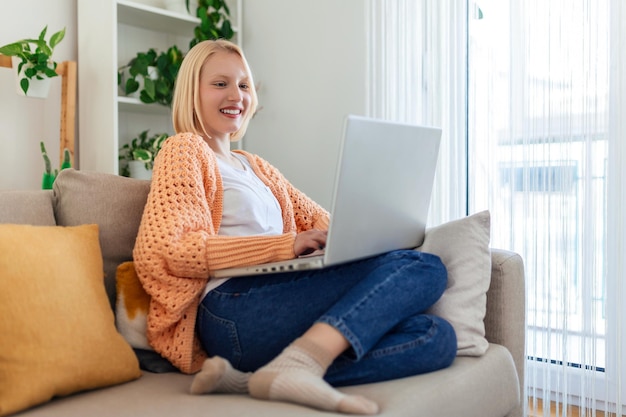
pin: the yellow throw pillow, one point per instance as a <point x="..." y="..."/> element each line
<point x="57" y="329"/>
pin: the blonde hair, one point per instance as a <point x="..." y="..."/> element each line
<point x="186" y="100"/>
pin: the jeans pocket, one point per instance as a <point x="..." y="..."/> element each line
<point x="218" y="336"/>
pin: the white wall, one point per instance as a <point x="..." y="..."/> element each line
<point x="309" y="59"/>
<point x="24" y="122"/>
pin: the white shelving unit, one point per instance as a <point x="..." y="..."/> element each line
<point x="110" y="33"/>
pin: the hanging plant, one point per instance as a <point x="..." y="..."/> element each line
<point x="214" y="21"/>
<point x="37" y="64"/>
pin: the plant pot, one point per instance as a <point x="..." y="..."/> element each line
<point x="36" y="89"/>
<point x="139" y="171"/>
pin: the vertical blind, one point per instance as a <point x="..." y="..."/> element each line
<point x="530" y="95"/>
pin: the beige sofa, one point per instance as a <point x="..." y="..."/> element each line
<point x="486" y="385"/>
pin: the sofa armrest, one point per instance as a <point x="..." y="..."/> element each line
<point x="505" y="321"/>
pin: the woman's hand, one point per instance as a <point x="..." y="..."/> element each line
<point x="309" y="241"/>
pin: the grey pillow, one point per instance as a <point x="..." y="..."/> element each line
<point x="27" y="207"/>
<point x="112" y="202"/>
<point x="463" y="246"/>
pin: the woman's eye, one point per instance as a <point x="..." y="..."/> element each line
<point x="244" y="86"/>
<point x="220" y="84"/>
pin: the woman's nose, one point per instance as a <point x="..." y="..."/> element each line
<point x="235" y="94"/>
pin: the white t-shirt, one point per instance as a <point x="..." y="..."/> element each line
<point x="249" y="207"/>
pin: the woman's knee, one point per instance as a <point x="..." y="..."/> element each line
<point x="440" y="343"/>
<point x="426" y="269"/>
<point x="431" y="263"/>
<point x="446" y="341"/>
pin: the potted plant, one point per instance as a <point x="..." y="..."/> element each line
<point x="34" y="64"/>
<point x="49" y="176"/>
<point x="132" y="76"/>
<point x="214" y="21"/>
<point x="137" y="156"/>
<point x="152" y="75"/>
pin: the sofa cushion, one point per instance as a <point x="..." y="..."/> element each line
<point x="27" y="207"/>
<point x="114" y="203"/>
<point x="463" y="246"/>
<point x="483" y="386"/>
<point x="58" y="332"/>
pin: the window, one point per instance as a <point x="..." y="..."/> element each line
<point x="531" y="95"/>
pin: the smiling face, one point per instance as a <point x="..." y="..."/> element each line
<point x="224" y="92"/>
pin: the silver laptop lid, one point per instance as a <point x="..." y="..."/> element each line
<point x="382" y="188"/>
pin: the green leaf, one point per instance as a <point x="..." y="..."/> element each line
<point x="215" y="17"/>
<point x="145" y="98"/>
<point x="42" y="35"/>
<point x="46" y="160"/>
<point x="158" y="142"/>
<point x="24" y="83"/>
<point x="12" y="49"/>
<point x="139" y="66"/>
<point x="142" y="155"/>
<point x="44" y="49"/>
<point x="30" y="72"/>
<point x="227" y="31"/>
<point x="149" y="87"/>
<point x="56" y="38"/>
<point x="131" y="86"/>
<point x="49" y="72"/>
<point x="161" y="87"/>
<point x="67" y="162"/>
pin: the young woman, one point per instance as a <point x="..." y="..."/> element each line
<point x="285" y="337"/>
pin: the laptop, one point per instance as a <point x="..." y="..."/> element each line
<point x="382" y="192"/>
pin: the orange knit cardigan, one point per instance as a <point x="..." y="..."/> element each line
<point x="177" y="243"/>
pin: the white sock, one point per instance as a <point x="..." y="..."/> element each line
<point x="296" y="375"/>
<point x="218" y="375"/>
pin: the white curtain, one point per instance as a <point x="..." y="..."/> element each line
<point x="531" y="96"/>
<point x="413" y="79"/>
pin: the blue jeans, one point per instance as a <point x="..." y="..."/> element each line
<point x="378" y="304"/>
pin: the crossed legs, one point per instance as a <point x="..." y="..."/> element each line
<point x="353" y="308"/>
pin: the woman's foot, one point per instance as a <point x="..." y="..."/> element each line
<point x="218" y="375"/>
<point x="296" y="376"/>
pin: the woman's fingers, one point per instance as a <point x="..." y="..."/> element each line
<point x="309" y="241"/>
